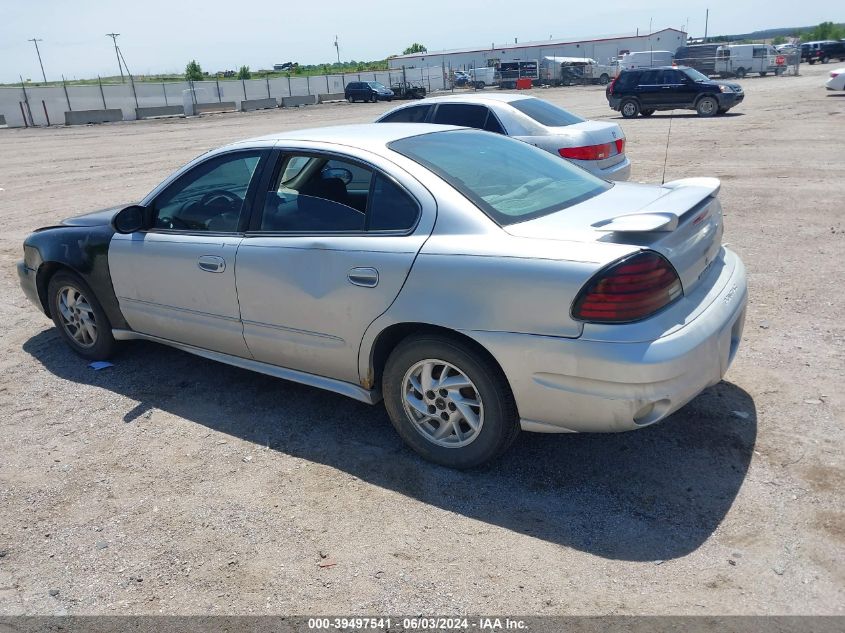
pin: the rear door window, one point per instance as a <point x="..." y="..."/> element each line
<point x="461" y="114"/>
<point x="651" y="78"/>
<point x="413" y="114"/>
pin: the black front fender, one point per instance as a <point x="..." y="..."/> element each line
<point x="82" y="249"/>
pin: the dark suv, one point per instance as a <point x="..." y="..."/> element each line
<point x="645" y="90"/>
<point x="822" y="51"/>
<point x="367" y="91"/>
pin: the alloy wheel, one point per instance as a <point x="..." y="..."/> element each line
<point x="442" y="402"/>
<point x="77" y="316"/>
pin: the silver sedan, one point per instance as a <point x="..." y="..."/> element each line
<point x="597" y="146"/>
<point x="477" y="284"/>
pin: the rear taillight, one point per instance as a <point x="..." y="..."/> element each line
<point x="588" y="152"/>
<point x="612" y="84"/>
<point x="629" y="290"/>
<point x="834" y="74"/>
<point x="620" y="146"/>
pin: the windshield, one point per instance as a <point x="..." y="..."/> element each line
<point x="545" y="113"/>
<point x="507" y="179"/>
<point x="693" y="74"/>
<point x="377" y="85"/>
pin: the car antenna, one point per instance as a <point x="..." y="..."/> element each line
<point x="666" y="155"/>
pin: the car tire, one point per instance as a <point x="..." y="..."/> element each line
<point x="630" y="108"/>
<point x="604" y="79"/>
<point x="373" y="98"/>
<point x="79" y="317"/>
<point x="740" y="72"/>
<point x="707" y="107"/>
<point x="825" y="60"/>
<point x="414" y="413"/>
<point x="763" y="73"/>
<point x="646" y="112"/>
<point x="350" y="99"/>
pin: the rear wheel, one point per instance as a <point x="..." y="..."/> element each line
<point x="604" y="79"/>
<point x="646" y="112"/>
<point x="79" y="317"/>
<point x="763" y="73"/>
<point x="630" y="108"/>
<point x="448" y="402"/>
<point x="825" y="59"/>
<point x="707" y="106"/>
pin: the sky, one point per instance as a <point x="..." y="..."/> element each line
<point x="158" y="36"/>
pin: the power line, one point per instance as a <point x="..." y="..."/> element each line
<point x="113" y="36"/>
<point x="35" y="41"/>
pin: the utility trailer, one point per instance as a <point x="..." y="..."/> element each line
<point x="568" y="71"/>
<point x="510" y="72"/>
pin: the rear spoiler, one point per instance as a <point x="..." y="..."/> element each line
<point x="664" y="214"/>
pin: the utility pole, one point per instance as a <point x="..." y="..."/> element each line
<point x="337" y="48"/>
<point x="35" y="41"/>
<point x="706" y="22"/>
<point x="113" y="36"/>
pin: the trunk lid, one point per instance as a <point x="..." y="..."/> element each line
<point x="681" y="220"/>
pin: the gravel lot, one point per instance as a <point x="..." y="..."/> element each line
<point x="172" y="484"/>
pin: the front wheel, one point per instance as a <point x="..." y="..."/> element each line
<point x="763" y="73"/>
<point x="448" y="402"/>
<point x="79" y="317"/>
<point x="373" y="98"/>
<point x="630" y="109"/>
<point x="707" y="106"/>
<point x="825" y="60"/>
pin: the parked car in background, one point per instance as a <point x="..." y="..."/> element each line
<point x="367" y="91"/>
<point x="823" y="51"/>
<point x="597" y="146"/>
<point x="477" y="284"/>
<point x="737" y="60"/>
<point x="408" y="90"/>
<point x="837" y="79"/>
<point x="671" y="88"/>
<point x="482" y="77"/>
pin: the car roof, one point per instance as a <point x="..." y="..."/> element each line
<point x="373" y="137"/>
<point x="479" y="98"/>
<point x="632" y="70"/>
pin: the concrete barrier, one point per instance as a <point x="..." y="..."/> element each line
<point x="292" y="102"/>
<point x="156" y="111"/>
<point x="83" y="117"/>
<point x="258" y="104"/>
<point x="332" y="96"/>
<point x="207" y="108"/>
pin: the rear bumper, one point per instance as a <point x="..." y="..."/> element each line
<point x="619" y="171"/>
<point x="578" y="385"/>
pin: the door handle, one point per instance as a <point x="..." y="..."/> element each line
<point x="211" y="264"/>
<point x="366" y="277"/>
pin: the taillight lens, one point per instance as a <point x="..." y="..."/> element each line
<point x="834" y="74"/>
<point x="629" y="290"/>
<point x="612" y="84"/>
<point x="588" y="152"/>
<point x="593" y="152"/>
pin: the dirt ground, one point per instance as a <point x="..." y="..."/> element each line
<point x="172" y="484"/>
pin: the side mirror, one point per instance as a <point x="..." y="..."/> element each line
<point x="130" y="219"/>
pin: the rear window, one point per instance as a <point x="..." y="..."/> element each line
<point x="461" y="114"/>
<point x="545" y="113"/>
<point x="508" y="180"/>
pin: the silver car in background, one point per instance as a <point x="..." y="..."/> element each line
<point x="477" y="284"/>
<point x="597" y="146"/>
